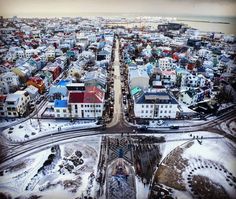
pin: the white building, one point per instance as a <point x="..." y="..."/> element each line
<point x="17" y="103"/>
<point x="155" y="105"/>
<point x="204" y="53"/>
<point x="190" y="80"/>
<point x="165" y="63"/>
<point x="81" y="104"/>
<point x="50" y="52"/>
<point x="8" y="81"/>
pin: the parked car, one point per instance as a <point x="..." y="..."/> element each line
<point x="142" y="128"/>
<point x="174" y="127"/>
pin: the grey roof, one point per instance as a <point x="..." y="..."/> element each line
<point x="155" y="98"/>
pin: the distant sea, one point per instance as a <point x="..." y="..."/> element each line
<point x="204" y="23"/>
<point x="225" y="25"/>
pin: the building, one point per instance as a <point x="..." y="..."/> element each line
<point x="9" y="81"/>
<point x="61" y="109"/>
<point x="3" y="107"/>
<point x="165" y="63"/>
<point x="36" y="82"/>
<point x="193" y="96"/>
<point x="155" y="105"/>
<point x="17" y="103"/>
<point x="33" y="92"/>
<point x="88" y="103"/>
<point x="168" y="77"/>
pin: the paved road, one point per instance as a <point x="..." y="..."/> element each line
<point x="117" y="89"/>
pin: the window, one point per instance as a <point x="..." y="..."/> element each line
<point x="142" y="111"/>
<point x="165" y="111"/>
<point x="76" y="107"/>
<point x="161" y="106"/>
<point x="58" y="115"/>
<point x="82" y="105"/>
<point x="170" y="106"/>
<point x="147" y="106"/>
<point x="142" y="106"/>
<point x="64" y="110"/>
<point x="151" y="106"/>
<point x="166" y="106"/>
<point x="161" y="111"/>
<point x="146" y="111"/>
<point x="151" y="111"/>
<point x="169" y="111"/>
<point x="58" y="111"/>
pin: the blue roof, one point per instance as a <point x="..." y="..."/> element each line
<point x="63" y="82"/>
<point x="60" y="103"/>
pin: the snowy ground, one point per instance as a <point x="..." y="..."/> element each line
<point x="33" y="128"/>
<point x="59" y="182"/>
<point x="193" y="164"/>
<point x="62" y="183"/>
<point x="8" y="121"/>
<point x="229" y="127"/>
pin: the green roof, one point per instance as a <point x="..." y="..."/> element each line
<point x="135" y="90"/>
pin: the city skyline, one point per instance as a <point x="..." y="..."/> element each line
<point x="50" y="8"/>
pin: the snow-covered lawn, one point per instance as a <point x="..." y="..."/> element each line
<point x="35" y="128"/>
<point x="193" y="165"/>
<point x="8" y="121"/>
<point x="58" y="181"/>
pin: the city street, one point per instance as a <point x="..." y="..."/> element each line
<point x="117" y="89"/>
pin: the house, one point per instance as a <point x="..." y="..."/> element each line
<point x="191" y="80"/>
<point x="165" y="63"/>
<point x="22" y="72"/>
<point x="193" y="96"/>
<point x="61" y="109"/>
<point x="30" y="52"/>
<point x="103" y="55"/>
<point x="168" y="77"/>
<point x="46" y="76"/>
<point x="55" y="70"/>
<point x="33" y="92"/>
<point x="9" y="82"/>
<point x="36" y="82"/>
<point x="50" y="53"/>
<point x="138" y="78"/>
<point x="3" y="107"/>
<point x="96" y="78"/>
<point x="154" y="104"/>
<point x="60" y="90"/>
<point x="17" y="103"/>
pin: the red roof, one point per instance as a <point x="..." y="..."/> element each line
<point x="91" y="95"/>
<point x="91" y="98"/>
<point x="37" y="80"/>
<point x="3" y="98"/>
<point x="76" y="97"/>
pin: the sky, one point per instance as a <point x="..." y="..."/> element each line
<point x="57" y="8"/>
